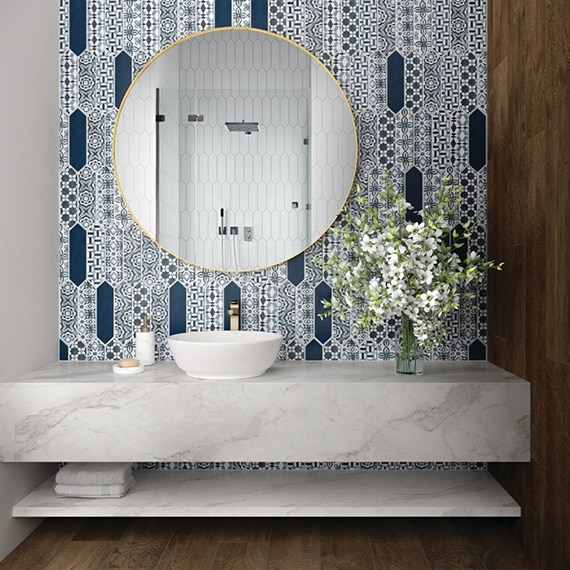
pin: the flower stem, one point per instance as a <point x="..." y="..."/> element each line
<point x="407" y="358"/>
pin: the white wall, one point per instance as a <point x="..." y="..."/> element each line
<point x="28" y="219"/>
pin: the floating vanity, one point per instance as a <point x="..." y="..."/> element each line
<point x="297" y="411"/>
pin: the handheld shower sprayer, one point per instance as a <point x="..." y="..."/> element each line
<point x="222" y="228"/>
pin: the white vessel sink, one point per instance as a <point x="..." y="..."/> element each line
<point x="225" y="355"/>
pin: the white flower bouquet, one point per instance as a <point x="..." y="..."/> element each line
<point x="390" y="266"/>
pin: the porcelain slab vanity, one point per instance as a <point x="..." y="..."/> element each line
<point x="297" y="411"/>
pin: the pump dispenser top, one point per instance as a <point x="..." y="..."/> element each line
<point x="145" y="328"/>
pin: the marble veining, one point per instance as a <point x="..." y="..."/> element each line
<point x="298" y="411"/>
<point x="289" y="493"/>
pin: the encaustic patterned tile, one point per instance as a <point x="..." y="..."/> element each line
<point x="441" y="54"/>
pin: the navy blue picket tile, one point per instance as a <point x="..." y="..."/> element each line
<point x="232" y="292"/>
<point x="477" y="140"/>
<point x="77" y="26"/>
<point x="223" y="13"/>
<point x="314" y="351"/>
<point x="414" y="194"/>
<point x="259" y="14"/>
<point x="77" y="139"/>
<point x="296" y="269"/>
<point x="323" y="325"/>
<point x="77" y="254"/>
<point x="177" y="308"/>
<point x="123" y="76"/>
<point x="105" y="312"/>
<point x="395" y="81"/>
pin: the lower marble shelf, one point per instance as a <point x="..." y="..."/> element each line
<point x="288" y="494"/>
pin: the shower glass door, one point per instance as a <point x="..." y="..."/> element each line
<point x="259" y="179"/>
<point x="168" y="170"/>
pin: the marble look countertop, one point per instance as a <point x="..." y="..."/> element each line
<point x="287" y="494"/>
<point x="298" y="411"/>
<point x="478" y="372"/>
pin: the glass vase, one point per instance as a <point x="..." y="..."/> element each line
<point x="408" y="353"/>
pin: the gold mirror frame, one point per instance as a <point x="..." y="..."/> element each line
<point x="345" y="191"/>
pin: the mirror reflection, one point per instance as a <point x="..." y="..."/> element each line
<point x="235" y="149"/>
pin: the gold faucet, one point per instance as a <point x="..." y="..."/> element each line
<point x="233" y="312"/>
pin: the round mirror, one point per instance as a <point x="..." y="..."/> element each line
<point x="235" y="149"/>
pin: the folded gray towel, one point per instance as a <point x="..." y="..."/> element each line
<point x="94" y="474"/>
<point x="94" y="491"/>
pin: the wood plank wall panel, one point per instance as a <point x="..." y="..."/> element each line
<point x="558" y="157"/>
<point x="535" y="277"/>
<point x="507" y="213"/>
<point x="497" y="184"/>
<point x="533" y="50"/>
<point x="557" y="474"/>
<point x="529" y="228"/>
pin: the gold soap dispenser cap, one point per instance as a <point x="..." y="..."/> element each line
<point x="145" y="327"/>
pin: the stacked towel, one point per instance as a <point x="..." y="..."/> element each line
<point x="92" y="480"/>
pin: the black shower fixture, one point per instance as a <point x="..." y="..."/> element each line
<point x="243" y="127"/>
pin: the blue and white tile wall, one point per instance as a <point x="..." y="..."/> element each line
<point x="414" y="72"/>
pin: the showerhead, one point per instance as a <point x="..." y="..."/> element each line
<point x="243" y="127"/>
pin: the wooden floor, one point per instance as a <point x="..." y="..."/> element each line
<point x="276" y="544"/>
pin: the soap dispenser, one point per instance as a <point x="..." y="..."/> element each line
<point x="145" y="344"/>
